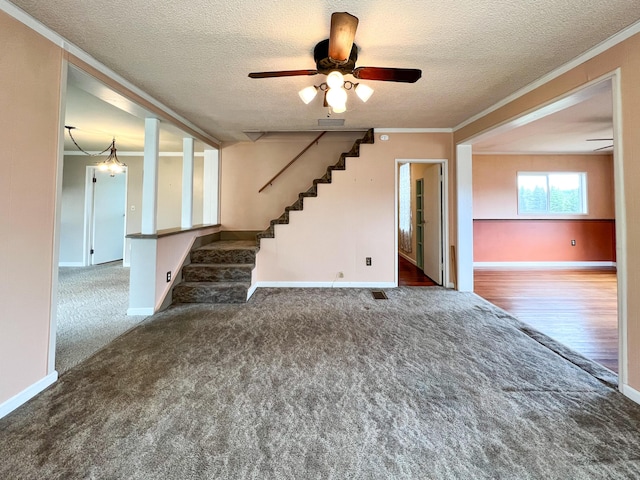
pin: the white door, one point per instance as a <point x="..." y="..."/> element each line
<point x="108" y="217"/>
<point x="432" y="228"/>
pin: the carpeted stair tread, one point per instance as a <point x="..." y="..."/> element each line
<point x="211" y="292"/>
<point x="220" y="272"/>
<point x="230" y="245"/>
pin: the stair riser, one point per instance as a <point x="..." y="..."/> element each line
<point x="223" y="256"/>
<point x="216" y="274"/>
<point x="209" y="294"/>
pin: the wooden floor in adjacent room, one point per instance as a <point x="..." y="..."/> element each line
<point x="411" y="276"/>
<point x="575" y="307"/>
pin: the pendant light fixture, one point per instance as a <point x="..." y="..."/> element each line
<point x="335" y="92"/>
<point x="112" y="164"/>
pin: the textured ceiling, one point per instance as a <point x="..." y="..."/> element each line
<point x="195" y="56"/>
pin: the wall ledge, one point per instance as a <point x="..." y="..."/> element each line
<point x="170" y="231"/>
<point x="27" y="394"/>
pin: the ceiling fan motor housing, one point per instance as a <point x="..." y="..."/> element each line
<point x="325" y="65"/>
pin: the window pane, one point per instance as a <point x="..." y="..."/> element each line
<point x="532" y="194"/>
<point x="565" y="193"/>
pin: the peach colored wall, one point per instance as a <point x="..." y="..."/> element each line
<point x="543" y="241"/>
<point x="247" y="166"/>
<point x="626" y="57"/>
<point x="29" y="126"/>
<point x="495" y="183"/>
<point x="171" y="252"/>
<point x="352" y="218"/>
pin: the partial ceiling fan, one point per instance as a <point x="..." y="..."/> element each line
<point x="335" y="57"/>
<point x="601" y="140"/>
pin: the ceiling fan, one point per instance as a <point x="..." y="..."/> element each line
<point x="601" y="140"/>
<point x="339" y="53"/>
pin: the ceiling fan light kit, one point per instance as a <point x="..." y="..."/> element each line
<point x="336" y="57"/>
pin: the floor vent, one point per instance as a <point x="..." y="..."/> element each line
<point x="379" y="295"/>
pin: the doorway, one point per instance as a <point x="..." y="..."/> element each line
<point x="558" y="119"/>
<point x="105" y="216"/>
<point x="421" y="251"/>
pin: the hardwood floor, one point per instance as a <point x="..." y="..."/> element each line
<point x="575" y="307"/>
<point x="411" y="276"/>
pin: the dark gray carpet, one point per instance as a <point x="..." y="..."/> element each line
<point x="326" y="384"/>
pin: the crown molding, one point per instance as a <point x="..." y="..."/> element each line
<point x="413" y="130"/>
<point x="603" y="46"/>
<point x="40" y="28"/>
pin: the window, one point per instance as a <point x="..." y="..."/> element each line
<point x="552" y="193"/>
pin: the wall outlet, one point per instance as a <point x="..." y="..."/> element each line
<point x="573" y="243"/>
<point x="168" y="277"/>
<point x="368" y="260"/>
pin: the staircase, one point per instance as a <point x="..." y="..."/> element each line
<point x="313" y="191"/>
<point x="220" y="272"/>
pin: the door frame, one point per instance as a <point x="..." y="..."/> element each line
<point x="464" y="162"/>
<point x="88" y="213"/>
<point x="446" y="278"/>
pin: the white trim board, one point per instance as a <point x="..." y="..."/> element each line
<point x="71" y="264"/>
<point x="408" y="259"/>
<point x="140" y="311"/>
<point x="545" y="264"/>
<point x="27" y="394"/>
<point x="324" y="285"/>
<point x="413" y="130"/>
<point x="630" y="392"/>
<point x="603" y="46"/>
<point x="66" y="45"/>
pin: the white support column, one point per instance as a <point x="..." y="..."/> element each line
<point x="464" y="188"/>
<point x="211" y="188"/>
<point x="187" y="183"/>
<point x="150" y="176"/>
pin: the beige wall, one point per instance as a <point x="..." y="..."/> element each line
<point x="495" y="193"/>
<point x="247" y="166"/>
<point x="626" y="57"/>
<point x="169" y="199"/>
<point x="30" y="76"/>
<point x="352" y="218"/>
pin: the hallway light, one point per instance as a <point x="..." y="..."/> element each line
<point x="112" y="164"/>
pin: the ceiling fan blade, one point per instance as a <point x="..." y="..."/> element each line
<point x="283" y="73"/>
<point x="343" y="31"/>
<point x="599" y="139"/>
<point x="406" y="75"/>
<point x="603" y="148"/>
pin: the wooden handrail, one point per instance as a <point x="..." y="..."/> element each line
<point x="291" y="162"/>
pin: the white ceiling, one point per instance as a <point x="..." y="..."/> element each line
<point x="195" y="57"/>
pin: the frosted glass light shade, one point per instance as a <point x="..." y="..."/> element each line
<point x="335" y="79"/>
<point x="336" y="97"/>
<point x="364" y="92"/>
<point x="307" y="94"/>
<point x="339" y="108"/>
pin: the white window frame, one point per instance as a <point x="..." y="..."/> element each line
<point x="583" y="191"/>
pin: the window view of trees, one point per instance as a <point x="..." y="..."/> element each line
<point x="551" y="193"/>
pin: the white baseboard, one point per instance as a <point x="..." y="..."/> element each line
<point x="140" y="311"/>
<point x="27" y="394"/>
<point x="451" y="285"/>
<point x="631" y="393"/>
<point x="252" y="290"/>
<point x="71" y="264"/>
<point x="545" y="264"/>
<point x="325" y="284"/>
<point x="408" y="259"/>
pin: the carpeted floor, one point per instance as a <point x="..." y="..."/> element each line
<point x="92" y="311"/>
<point x="327" y="384"/>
